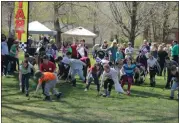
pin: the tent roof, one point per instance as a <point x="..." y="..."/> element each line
<point x="36" y="27"/>
<point x="80" y="31"/>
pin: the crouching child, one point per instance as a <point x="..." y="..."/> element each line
<point x="76" y="67"/>
<point x="109" y="78"/>
<point x="24" y="75"/>
<point x="93" y="75"/>
<point x="50" y="80"/>
<point x="175" y="79"/>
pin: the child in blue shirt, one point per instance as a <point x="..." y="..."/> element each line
<point x="128" y="70"/>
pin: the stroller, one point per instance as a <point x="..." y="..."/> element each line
<point x="139" y="77"/>
<point x="102" y="54"/>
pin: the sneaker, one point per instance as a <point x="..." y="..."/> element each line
<point x="59" y="95"/>
<point x="74" y="85"/>
<point x="27" y="95"/>
<point x="104" y="95"/>
<point x="23" y="91"/>
<point x="47" y="98"/>
<point x="171" y="98"/>
<point x="86" y="89"/>
<point x="128" y="93"/>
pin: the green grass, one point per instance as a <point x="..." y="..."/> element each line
<point x="145" y="105"/>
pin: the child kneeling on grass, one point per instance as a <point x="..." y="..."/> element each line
<point x="24" y="75"/>
<point x="175" y="78"/>
<point x="50" y="80"/>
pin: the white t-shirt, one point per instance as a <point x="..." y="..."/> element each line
<point x="81" y="51"/>
<point x="114" y="76"/>
<point x="129" y="50"/>
<point x="152" y="62"/>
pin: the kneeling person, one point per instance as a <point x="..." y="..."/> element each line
<point x="50" y="80"/>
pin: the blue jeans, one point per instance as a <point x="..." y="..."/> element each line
<point x="96" y="81"/>
<point x="25" y="82"/>
<point x="173" y="88"/>
<point x="79" y="72"/>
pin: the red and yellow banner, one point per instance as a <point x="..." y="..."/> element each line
<point x="21" y="17"/>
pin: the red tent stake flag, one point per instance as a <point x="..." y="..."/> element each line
<point x="21" y="22"/>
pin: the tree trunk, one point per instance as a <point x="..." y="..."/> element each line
<point x="10" y="22"/>
<point x="57" y="26"/>
<point x="133" y="22"/>
<point x="94" y="27"/>
<point x="146" y="32"/>
<point x="165" y="25"/>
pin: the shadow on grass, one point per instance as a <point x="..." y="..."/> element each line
<point x="144" y="94"/>
<point x="56" y="117"/>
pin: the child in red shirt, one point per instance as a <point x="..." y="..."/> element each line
<point x="47" y="66"/>
<point x="50" y="80"/>
<point x="93" y="75"/>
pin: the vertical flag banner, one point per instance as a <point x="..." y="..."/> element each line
<point x="21" y="23"/>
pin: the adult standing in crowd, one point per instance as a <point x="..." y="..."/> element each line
<point x="175" y="51"/>
<point x="64" y="48"/>
<point x="104" y="47"/>
<point x="82" y="49"/>
<point x="129" y="51"/>
<point x="74" y="49"/>
<point x="145" y="47"/>
<point x="4" y="54"/>
<point x="161" y="58"/>
<point x="13" y="58"/>
<point x="154" y="51"/>
<point x="54" y="47"/>
<point x="113" y="50"/>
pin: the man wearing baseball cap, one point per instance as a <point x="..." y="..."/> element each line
<point x="129" y="50"/>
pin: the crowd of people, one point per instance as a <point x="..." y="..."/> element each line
<point x="116" y="65"/>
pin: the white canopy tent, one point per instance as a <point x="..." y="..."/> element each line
<point x="36" y="27"/>
<point x="79" y="32"/>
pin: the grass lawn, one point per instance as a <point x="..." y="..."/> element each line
<point x="145" y="105"/>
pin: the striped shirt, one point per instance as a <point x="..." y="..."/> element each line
<point x="129" y="71"/>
